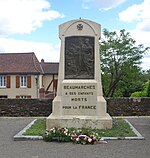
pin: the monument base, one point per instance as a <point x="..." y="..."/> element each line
<point x="69" y="121"/>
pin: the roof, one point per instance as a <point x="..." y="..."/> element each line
<point x="13" y="63"/>
<point x="49" y="67"/>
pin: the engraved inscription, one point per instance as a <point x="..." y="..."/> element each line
<point x="79" y="107"/>
<point x="80" y="97"/>
<point x="79" y="57"/>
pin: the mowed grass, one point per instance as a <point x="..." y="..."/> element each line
<point x="37" y="129"/>
<point x="120" y="129"/>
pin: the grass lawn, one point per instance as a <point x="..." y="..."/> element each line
<point x="37" y="129"/>
<point x="120" y="129"/>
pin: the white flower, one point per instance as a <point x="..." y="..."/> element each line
<point x="89" y="140"/>
<point x="66" y="130"/>
<point x="85" y="138"/>
<point x="47" y="132"/>
<point x="79" y="131"/>
<point x="52" y="130"/>
<point x="77" y="139"/>
<point x="102" y="139"/>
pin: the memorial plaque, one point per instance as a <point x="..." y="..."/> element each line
<point x="79" y="57"/>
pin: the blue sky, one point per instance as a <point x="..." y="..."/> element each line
<point x="32" y="25"/>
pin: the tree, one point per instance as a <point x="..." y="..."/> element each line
<point x="129" y="83"/>
<point x="120" y="57"/>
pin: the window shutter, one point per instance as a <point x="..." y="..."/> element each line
<point x="17" y="82"/>
<point x="17" y="96"/>
<point x="8" y="82"/>
<point x="29" y="96"/>
<point x="28" y="81"/>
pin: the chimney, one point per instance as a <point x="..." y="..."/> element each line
<point x="42" y="60"/>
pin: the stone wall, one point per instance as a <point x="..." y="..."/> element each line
<point x="25" y="107"/>
<point x="128" y="106"/>
<point x="43" y="107"/>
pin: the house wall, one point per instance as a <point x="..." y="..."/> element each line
<point x="12" y="92"/>
<point x="47" y="79"/>
<point x="40" y="81"/>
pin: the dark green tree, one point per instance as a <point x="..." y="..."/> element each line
<point x="131" y="82"/>
<point x="146" y="75"/>
<point x="120" y="61"/>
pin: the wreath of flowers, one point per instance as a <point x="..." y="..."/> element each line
<point x="79" y="136"/>
<point x="57" y="134"/>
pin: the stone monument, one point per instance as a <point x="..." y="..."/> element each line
<point x="79" y="101"/>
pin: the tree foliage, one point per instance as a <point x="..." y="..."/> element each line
<point x="120" y="60"/>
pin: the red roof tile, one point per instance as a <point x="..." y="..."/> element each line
<point x="19" y="63"/>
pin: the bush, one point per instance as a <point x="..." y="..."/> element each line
<point x="138" y="94"/>
<point x="148" y="89"/>
<point x="144" y="93"/>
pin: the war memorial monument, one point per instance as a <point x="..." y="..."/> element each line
<point x="79" y="101"/>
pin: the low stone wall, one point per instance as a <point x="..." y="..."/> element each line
<point x="128" y="106"/>
<point x="25" y="107"/>
<point x="43" y="107"/>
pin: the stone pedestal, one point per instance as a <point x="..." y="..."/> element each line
<point x="79" y="101"/>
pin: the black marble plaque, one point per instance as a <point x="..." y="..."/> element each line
<point x="79" y="57"/>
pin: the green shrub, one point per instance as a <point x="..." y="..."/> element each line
<point x="138" y="94"/>
<point x="144" y="93"/>
<point x="147" y="89"/>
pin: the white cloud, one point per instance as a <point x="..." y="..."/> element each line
<point x="130" y="14"/>
<point x="144" y="25"/>
<point x="101" y="4"/>
<point x="46" y="51"/>
<point x="142" y="37"/>
<point x="145" y="63"/>
<point x="138" y="13"/>
<point x="24" y="16"/>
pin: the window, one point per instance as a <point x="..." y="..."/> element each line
<point x="23" y="81"/>
<point x="3" y="81"/>
<point x="3" y="96"/>
<point x="23" y="96"/>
